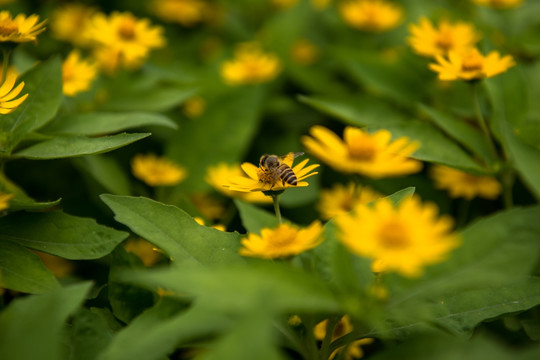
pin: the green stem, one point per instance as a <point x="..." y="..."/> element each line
<point x="325" y="346"/>
<point x="481" y="120"/>
<point x="463" y="212"/>
<point x="508" y="178"/>
<point x="275" y="201"/>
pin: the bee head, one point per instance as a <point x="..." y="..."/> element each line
<point x="269" y="161"/>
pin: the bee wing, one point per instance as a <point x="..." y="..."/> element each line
<point x="288" y="159"/>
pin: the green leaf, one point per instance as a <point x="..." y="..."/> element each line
<point x="157" y="98"/>
<point x="400" y="195"/>
<point x="107" y="172"/>
<point x="89" y="335"/>
<point x="254" y="219"/>
<point x="174" y="231"/>
<point x="32" y="326"/>
<point x="60" y="234"/>
<point x="22" y="270"/>
<point x="21" y="201"/>
<point x="97" y="123"/>
<point x="43" y="84"/>
<point x="63" y="147"/>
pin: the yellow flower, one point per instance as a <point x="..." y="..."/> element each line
<point x="372" y="155"/>
<point x="194" y="107"/>
<point x="304" y="52"/>
<point x="59" y="266"/>
<point x="284" y="241"/>
<point x="342" y="199"/>
<point x="250" y="66"/>
<point x="4" y="200"/>
<point x="157" y="171"/>
<point x="499" y="4"/>
<point x="471" y="65"/>
<point x="184" y="12"/>
<point x="145" y="250"/>
<point x="260" y="180"/>
<point x="8" y="92"/>
<point x="219" y="174"/>
<point x="404" y="239"/>
<point x="430" y="41"/>
<point x="343" y="327"/>
<point x="462" y="184"/>
<point x="219" y="227"/>
<point x="70" y="22"/>
<point x="124" y="39"/>
<point x="77" y="74"/>
<point x="21" y="28"/>
<point x="208" y="206"/>
<point x="371" y="15"/>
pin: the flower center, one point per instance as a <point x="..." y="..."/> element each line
<point x="8" y="27"/>
<point x="282" y="237"/>
<point x="126" y="29"/>
<point x="266" y="177"/>
<point x="393" y="235"/>
<point x="444" y="40"/>
<point x="472" y="62"/>
<point x="362" y="150"/>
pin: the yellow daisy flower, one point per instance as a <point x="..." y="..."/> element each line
<point x="260" y="180"/>
<point x="404" y="239"/>
<point x="77" y="74"/>
<point x="183" y="12"/>
<point x="284" y="241"/>
<point x="304" y="52"/>
<point x="372" y="155"/>
<point x="157" y="171"/>
<point x="250" y="66"/>
<point x="21" y="28"/>
<point x="428" y="40"/>
<point x="4" y="200"/>
<point x="471" y="65"/>
<point x="8" y="92"/>
<point x="219" y="174"/>
<point x="371" y="15"/>
<point x="144" y="250"/>
<point x="343" y="327"/>
<point x="499" y="4"/>
<point x="69" y="22"/>
<point x="341" y="199"/>
<point x="462" y="184"/>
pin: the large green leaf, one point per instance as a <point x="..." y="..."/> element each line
<point x="63" y="147"/>
<point x="60" y="234"/>
<point x="99" y="123"/>
<point x="22" y="270"/>
<point x="155" y="98"/>
<point x="32" y="326"/>
<point x="21" y="201"/>
<point x="43" y="84"/>
<point x="174" y="231"/>
<point x="254" y="219"/>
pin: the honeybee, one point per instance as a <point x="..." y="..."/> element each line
<point x="275" y="166"/>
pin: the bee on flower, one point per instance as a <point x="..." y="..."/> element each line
<point x="250" y="65"/>
<point x="219" y="174"/>
<point x="9" y="92"/>
<point x="371" y="15"/>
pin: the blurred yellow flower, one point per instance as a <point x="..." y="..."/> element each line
<point x="123" y="39"/>
<point x="8" y="92"/>
<point x="77" y="74"/>
<point x="341" y="199"/>
<point x="372" y="155"/>
<point x="219" y="227"/>
<point x="462" y="184"/>
<point x="69" y="22"/>
<point x="258" y="179"/>
<point x="320" y="4"/>
<point x="219" y="174"/>
<point x="4" y="200"/>
<point x="428" y="40"/>
<point x="284" y="241"/>
<point x="59" y="266"/>
<point x="403" y="239"/>
<point x="499" y="4"/>
<point x="343" y="327"/>
<point x="371" y="15"/>
<point x="157" y="171"/>
<point x="208" y="206"/>
<point x="21" y="28"/>
<point x="304" y="52"/>
<point x="250" y="66"/>
<point x="184" y="12"/>
<point x="194" y="107"/>
<point x="471" y="65"/>
<point x="144" y="250"/>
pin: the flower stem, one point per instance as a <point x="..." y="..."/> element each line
<point x="6" y="53"/>
<point x="481" y="120"/>
<point x="325" y="346"/>
<point x="507" y="179"/>
<point x="275" y="201"/>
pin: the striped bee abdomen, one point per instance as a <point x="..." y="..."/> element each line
<point x="287" y="175"/>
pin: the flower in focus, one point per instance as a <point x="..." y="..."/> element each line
<point x="371" y="15"/>
<point x="250" y="66"/>
<point x="341" y="199"/>
<point x="372" y="155"/>
<point x="284" y="241"/>
<point x="183" y="12"/>
<point x="471" y="65"/>
<point x="157" y="171"/>
<point x="403" y="239"/>
<point x="21" y="28"/>
<point x="499" y="4"/>
<point x="122" y="39"/>
<point x="4" y="200"/>
<point x="343" y="327"/>
<point x="260" y="180"/>
<point x="77" y="74"/>
<point x="428" y="40"/>
<point x="219" y="227"/>
<point x="69" y="22"/>
<point x="8" y="92"/>
<point x="304" y="52"/>
<point x="462" y="184"/>
<point x="219" y="174"/>
<point x="194" y="107"/>
<point x="144" y="250"/>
